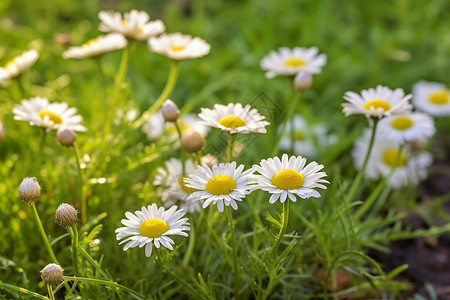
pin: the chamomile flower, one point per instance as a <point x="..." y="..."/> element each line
<point x="18" y="65"/>
<point x="289" y="177"/>
<point x="39" y="112"/>
<point x="289" y="62"/>
<point x="432" y="98"/>
<point x="221" y="185"/>
<point x="152" y="225"/>
<point x="377" y="103"/>
<point x="179" y="46"/>
<point x="97" y="46"/>
<point x="233" y="118"/>
<point x="171" y="185"/>
<point x="135" y="25"/>
<point x="409" y="127"/>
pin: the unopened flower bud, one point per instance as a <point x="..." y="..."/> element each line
<point x="2" y="133"/>
<point x="170" y="111"/>
<point x="302" y="81"/>
<point x="192" y="141"/>
<point x="52" y="274"/>
<point x="29" y="190"/>
<point x="209" y="160"/>
<point x="66" y="215"/>
<point x="66" y="137"/>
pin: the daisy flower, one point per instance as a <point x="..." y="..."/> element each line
<point x="289" y="177"/>
<point x="410" y="169"/>
<point x="172" y="187"/>
<point x="18" y="65"/>
<point x="224" y="184"/>
<point x="233" y="118"/>
<point x="432" y="98"/>
<point x="97" y="46"/>
<point x="289" y="62"/>
<point x="409" y="127"/>
<point x="152" y="225"/>
<point x="39" y="112"/>
<point x="378" y="102"/>
<point x="135" y="25"/>
<point x="178" y="46"/>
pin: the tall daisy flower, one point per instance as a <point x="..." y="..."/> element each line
<point x="289" y="177"/>
<point x="152" y="225"/>
<point x="18" y="65"/>
<point x="179" y="46"/>
<point x="221" y="185"/>
<point x="377" y="103"/>
<point x="97" y="46"/>
<point x="233" y="118"/>
<point x="135" y="25"/>
<point x="432" y="98"/>
<point x="289" y="62"/>
<point x="39" y="112"/>
<point x="409" y="127"/>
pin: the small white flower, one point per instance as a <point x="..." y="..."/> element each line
<point x="432" y="98"/>
<point x="233" y="118"/>
<point x="18" y="65"/>
<point x="39" y="112"/>
<point x="224" y="184"/>
<point x="378" y="102"/>
<point x="178" y="46"/>
<point x="152" y="225"/>
<point x="289" y="177"/>
<point x="97" y="46"/>
<point x="289" y="62"/>
<point x="135" y="25"/>
<point x="407" y="127"/>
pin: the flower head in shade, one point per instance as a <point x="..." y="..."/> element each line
<point x="52" y="274"/>
<point x="221" y="185"/>
<point x="135" y="25"/>
<point x="97" y="46"/>
<point x="409" y="127"/>
<point x="179" y="46"/>
<point x="409" y="168"/>
<point x="233" y="118"/>
<point x="289" y="62"/>
<point x="289" y="177"/>
<point x="152" y="225"/>
<point x="377" y="103"/>
<point x="18" y="65"/>
<point x="432" y="98"/>
<point x="39" y="112"/>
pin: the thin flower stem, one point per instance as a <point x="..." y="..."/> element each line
<point x="180" y="280"/>
<point x="11" y="287"/>
<point x="41" y="148"/>
<point x="283" y="227"/>
<point x="231" y="138"/>
<point x="360" y="174"/>
<point x="122" y="68"/>
<point x="234" y="250"/>
<point x="43" y="234"/>
<point x="190" y="247"/>
<point x="81" y="187"/>
<point x="20" y="91"/>
<point x="170" y="84"/>
<point x="74" y="233"/>
<point x="98" y="62"/>
<point x="50" y="292"/>
<point x="93" y="262"/>
<point x="105" y="282"/>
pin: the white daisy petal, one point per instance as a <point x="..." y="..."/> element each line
<point x="97" y="46"/>
<point x="432" y="98"/>
<point x="178" y="46"/>
<point x="18" y="65"/>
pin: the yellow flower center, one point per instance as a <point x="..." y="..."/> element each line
<point x="177" y="48"/>
<point x="153" y="228"/>
<point x="299" y="136"/>
<point x="91" y="41"/>
<point x="183" y="128"/>
<point x="390" y="155"/>
<point x="295" y="62"/>
<point x="10" y="63"/>
<point x="232" y="121"/>
<point x="377" y="103"/>
<point x="220" y="185"/>
<point x="440" y="97"/>
<point x="185" y="188"/>
<point x="288" y="179"/>
<point x="50" y="115"/>
<point x="402" y="123"/>
<point x="123" y="23"/>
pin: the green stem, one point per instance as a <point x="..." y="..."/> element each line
<point x="122" y="68"/>
<point x="82" y="193"/>
<point x="231" y="138"/>
<point x="283" y="227"/>
<point x="190" y="247"/>
<point x="74" y="233"/>
<point x="14" y="288"/>
<point x="50" y="292"/>
<point x="180" y="280"/>
<point x="41" y="148"/>
<point x="105" y="282"/>
<point x="93" y="262"/>
<point x="98" y="62"/>
<point x="360" y="174"/>
<point x="170" y="84"/>
<point x="20" y="91"/>
<point x="234" y="250"/>
<point x="43" y="234"/>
